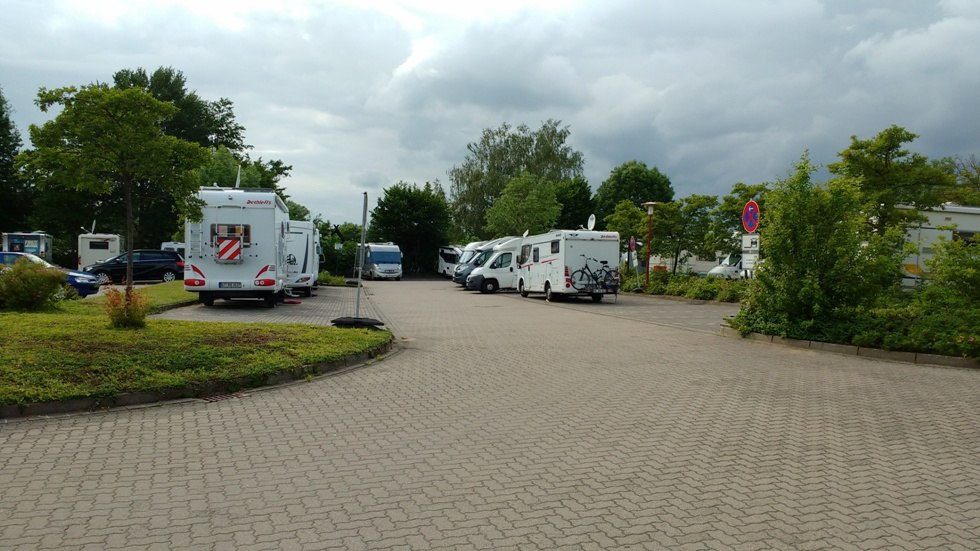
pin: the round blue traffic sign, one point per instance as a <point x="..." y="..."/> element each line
<point x="750" y="216"/>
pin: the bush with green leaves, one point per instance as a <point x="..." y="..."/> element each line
<point x="127" y="310"/>
<point x="823" y="263"/>
<point x="326" y="278"/>
<point x="27" y="286"/>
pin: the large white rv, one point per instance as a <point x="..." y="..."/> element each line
<point x="953" y="222"/>
<point x="238" y="248"/>
<point x="38" y="243"/>
<point x="448" y="256"/>
<point x="95" y="247"/>
<point x="382" y="261"/>
<point x="569" y="263"/>
<point x="303" y="256"/>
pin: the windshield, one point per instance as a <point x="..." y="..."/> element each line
<point x="386" y="257"/>
<point x="482" y="257"/>
<point x="466" y="256"/>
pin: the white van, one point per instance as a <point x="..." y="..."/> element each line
<point x="500" y="269"/>
<point x="730" y="267"/>
<point x="173" y="246"/>
<point x="303" y="256"/>
<point x="570" y="262"/>
<point x="448" y="256"/>
<point x="480" y="255"/>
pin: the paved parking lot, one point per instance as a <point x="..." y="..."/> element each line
<point x="509" y="423"/>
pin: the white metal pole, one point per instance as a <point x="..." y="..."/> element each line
<point x="360" y="259"/>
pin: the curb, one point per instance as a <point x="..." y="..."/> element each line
<point x="129" y="399"/>
<point x="919" y="358"/>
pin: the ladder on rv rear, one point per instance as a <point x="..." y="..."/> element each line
<point x="195" y="239"/>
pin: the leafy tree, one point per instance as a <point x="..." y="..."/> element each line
<point x="726" y="226"/>
<point x="956" y="267"/>
<point x="632" y="180"/>
<point x="501" y="154"/>
<point x="967" y="190"/>
<point x="109" y="139"/>
<point x="339" y="243"/>
<point x="889" y="175"/>
<point x="528" y="203"/>
<point x="16" y="196"/>
<point x="628" y="220"/>
<point x="416" y="219"/>
<point x="682" y="229"/>
<point x="822" y="259"/>
<point x="297" y="211"/>
<point x="577" y="204"/>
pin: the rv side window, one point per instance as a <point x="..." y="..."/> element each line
<point x="555" y="247"/>
<point x="220" y="231"/>
<point x="98" y="245"/>
<point x="535" y="253"/>
<point x="968" y="236"/>
<point x="503" y="261"/>
<point x="525" y="254"/>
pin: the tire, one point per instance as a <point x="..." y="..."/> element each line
<point x="580" y="280"/>
<point x="207" y="301"/>
<point x="548" y="296"/>
<point x="597" y="297"/>
<point x="104" y="278"/>
<point x="308" y="292"/>
<point x="169" y="276"/>
<point x="271" y="300"/>
<point x="522" y="290"/>
<point x="489" y="286"/>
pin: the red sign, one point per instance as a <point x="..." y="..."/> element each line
<point x="632" y="243"/>
<point x="750" y="216"/>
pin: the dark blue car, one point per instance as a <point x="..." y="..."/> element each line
<point x="85" y="284"/>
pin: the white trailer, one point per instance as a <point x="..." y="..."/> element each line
<point x="176" y="246"/>
<point x="37" y="243"/>
<point x="953" y="222"/>
<point x="238" y="248"/>
<point x="553" y="263"/>
<point x="96" y="247"/>
<point x="303" y="256"/>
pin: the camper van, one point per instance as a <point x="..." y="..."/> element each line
<point x="551" y="263"/>
<point x="303" y="257"/>
<point x="238" y="248"/>
<point x="176" y="246"/>
<point x="730" y="267"/>
<point x="480" y="255"/>
<point x="37" y="243"/>
<point x="953" y="222"/>
<point x="96" y="247"/>
<point x="448" y="256"/>
<point x="382" y="261"/>
<point x="500" y="269"/>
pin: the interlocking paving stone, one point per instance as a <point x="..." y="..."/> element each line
<point x="502" y="422"/>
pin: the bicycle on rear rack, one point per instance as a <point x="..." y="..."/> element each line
<point x="604" y="280"/>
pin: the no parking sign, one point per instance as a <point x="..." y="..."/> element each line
<point x="750" y="216"/>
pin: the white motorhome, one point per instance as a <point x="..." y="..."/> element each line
<point x="96" y="247"/>
<point x="500" y="269"/>
<point x="238" y="248"/>
<point x="382" y="261"/>
<point x="177" y="246"/>
<point x="552" y="263"/>
<point x="953" y="222"/>
<point x="448" y="256"/>
<point x="729" y="268"/>
<point x="303" y="256"/>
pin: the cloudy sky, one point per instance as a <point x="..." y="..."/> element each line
<point x="358" y="95"/>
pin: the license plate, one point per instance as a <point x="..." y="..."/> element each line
<point x="229" y="285"/>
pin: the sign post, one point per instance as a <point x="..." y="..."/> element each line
<point x="750" y="241"/>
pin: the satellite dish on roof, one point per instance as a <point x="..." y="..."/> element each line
<point x="591" y="223"/>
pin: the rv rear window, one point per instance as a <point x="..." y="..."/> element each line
<point x="232" y="230"/>
<point x="98" y="245"/>
<point x="555" y="247"/>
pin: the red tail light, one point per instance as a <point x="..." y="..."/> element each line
<point x="568" y="278"/>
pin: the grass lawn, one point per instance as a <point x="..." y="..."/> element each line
<point x="70" y="352"/>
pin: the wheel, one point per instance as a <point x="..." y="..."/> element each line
<point x="522" y="290"/>
<point x="207" y="301"/>
<point x="169" y="276"/>
<point x="547" y="292"/>
<point x="597" y="297"/>
<point x="611" y="278"/>
<point x="580" y="280"/>
<point x="489" y="286"/>
<point x="104" y="278"/>
<point x="271" y="300"/>
<point x="308" y="292"/>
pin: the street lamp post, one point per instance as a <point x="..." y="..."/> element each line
<point x="649" y="205"/>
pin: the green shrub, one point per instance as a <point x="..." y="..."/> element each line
<point x="701" y="288"/>
<point x="126" y="310"/>
<point x="325" y="278"/>
<point x="27" y="286"/>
